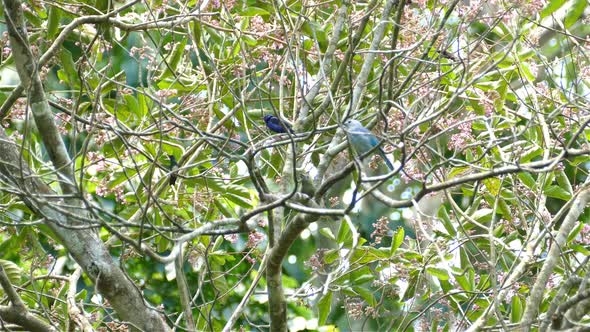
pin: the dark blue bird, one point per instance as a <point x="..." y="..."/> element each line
<point x="173" y="169"/>
<point x="273" y="123"/>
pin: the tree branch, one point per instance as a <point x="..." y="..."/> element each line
<point x="86" y="248"/>
<point x="77" y="317"/>
<point x="536" y="295"/>
<point x="17" y="312"/>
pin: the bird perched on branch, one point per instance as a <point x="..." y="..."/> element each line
<point x="363" y="141"/>
<point x="173" y="169"/>
<point x="306" y="184"/>
<point x="273" y="123"/>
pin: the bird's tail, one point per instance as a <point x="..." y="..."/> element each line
<point x="389" y="164"/>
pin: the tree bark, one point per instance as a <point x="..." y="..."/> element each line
<point x="63" y="219"/>
<point x="530" y="315"/>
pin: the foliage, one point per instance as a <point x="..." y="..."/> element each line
<point x="483" y="106"/>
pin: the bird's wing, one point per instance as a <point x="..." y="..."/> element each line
<point x="275" y="120"/>
<point x="283" y="125"/>
<point x="373" y="140"/>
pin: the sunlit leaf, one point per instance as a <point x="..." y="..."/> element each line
<point x="324" y="305"/>
<point x="397" y="240"/>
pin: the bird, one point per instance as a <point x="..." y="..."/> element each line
<point x="306" y="184"/>
<point x="173" y="169"/>
<point x="363" y="141"/>
<point x="274" y="124"/>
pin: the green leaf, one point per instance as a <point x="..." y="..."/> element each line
<point x="238" y="200"/>
<point x="219" y="277"/>
<point x="547" y="179"/>
<point x="53" y="22"/>
<point x="516" y="309"/>
<point x="366" y="294"/>
<point x="493" y="185"/>
<point x="499" y="230"/>
<point x="344" y="234"/>
<point x="574" y="233"/>
<point x="203" y="323"/>
<point x="331" y="256"/>
<point x="443" y="216"/>
<point x="527" y="179"/>
<point x="34" y="18"/>
<point x="211" y="184"/>
<point x="324" y="308"/>
<point x="397" y="240"/>
<point x="361" y="276"/>
<point x="249" y="40"/>
<point x="439" y="273"/>
<point x="174" y="58"/>
<point x="366" y="254"/>
<point x="456" y="171"/>
<point x="504" y="209"/>
<point x="464" y="281"/>
<point x="527" y="73"/>
<point x="412" y="255"/>
<point x="12" y="270"/>
<point x="223" y="209"/>
<point x="482" y="215"/>
<point x="197" y="30"/>
<point x="411" y="290"/>
<point x="581" y="249"/>
<point x="564" y="182"/>
<point x="254" y="11"/>
<point x="534" y="153"/>
<point x="315" y="31"/>
<point x="327" y="232"/>
<point x="238" y="190"/>
<point x="552" y="7"/>
<point x="68" y="67"/>
<point x="575" y="12"/>
<point x="133" y="106"/>
<point x="557" y="192"/>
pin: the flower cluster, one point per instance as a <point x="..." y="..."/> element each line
<point x="18" y="110"/>
<point x="584" y="237"/>
<point x="259" y="27"/>
<point x="62" y="120"/>
<point x="381" y="229"/>
<point x="216" y="4"/>
<point x="413" y="172"/>
<point x="103" y="190"/>
<point x="5" y="45"/>
<point x="459" y="141"/>
<point x="354" y="308"/>
<point x="232" y="238"/>
<point x="145" y="53"/>
<point x="315" y="261"/>
<point x="254" y="239"/>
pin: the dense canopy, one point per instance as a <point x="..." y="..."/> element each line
<point x="190" y="165"/>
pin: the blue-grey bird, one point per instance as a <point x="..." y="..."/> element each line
<point x="363" y="140"/>
<point x="273" y="123"/>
